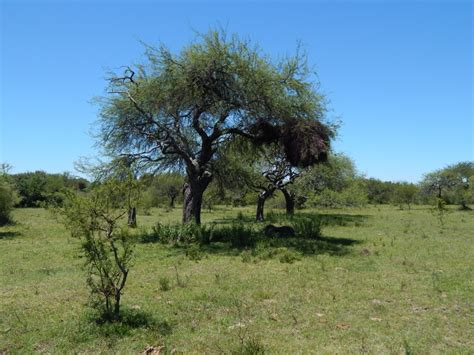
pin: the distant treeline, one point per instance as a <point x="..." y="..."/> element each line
<point x="332" y="185"/>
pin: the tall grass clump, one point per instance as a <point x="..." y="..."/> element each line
<point x="238" y="235"/>
<point x="309" y="228"/>
<point x="178" y="234"/>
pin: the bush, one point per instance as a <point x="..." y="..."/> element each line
<point x="39" y="188"/>
<point x="246" y="256"/>
<point x="8" y="198"/>
<point x="194" y="253"/>
<point x="106" y="248"/>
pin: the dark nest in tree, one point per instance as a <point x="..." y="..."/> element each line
<point x="304" y="142"/>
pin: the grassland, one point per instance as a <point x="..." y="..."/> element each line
<point x="382" y="280"/>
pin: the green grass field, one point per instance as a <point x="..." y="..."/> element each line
<point x="381" y="280"/>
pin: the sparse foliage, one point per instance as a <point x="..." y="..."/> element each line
<point x="95" y="219"/>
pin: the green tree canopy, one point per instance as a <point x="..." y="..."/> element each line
<point x="452" y="183"/>
<point x="461" y="176"/>
<point x="8" y="194"/>
<point x="178" y="110"/>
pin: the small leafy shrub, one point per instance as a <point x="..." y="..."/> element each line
<point x="106" y="248"/>
<point x="246" y="256"/>
<point x="248" y="342"/>
<point x="165" y="284"/>
<point x="193" y="252"/>
<point x="260" y="248"/>
<point x="440" y="211"/>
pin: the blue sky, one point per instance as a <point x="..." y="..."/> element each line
<point x="398" y="74"/>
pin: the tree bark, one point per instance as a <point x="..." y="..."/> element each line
<point x="193" y="192"/>
<point x="262" y="197"/>
<point x="199" y="178"/>
<point x="260" y="204"/>
<point x="289" y="200"/>
<point x="132" y="217"/>
<point x="172" y="194"/>
<point x="117" y="306"/>
<point x="171" y="205"/>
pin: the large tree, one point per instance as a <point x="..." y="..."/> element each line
<point x="462" y="175"/>
<point x="277" y="174"/>
<point x="438" y="182"/>
<point x="243" y="167"/>
<point x="453" y="183"/>
<point x="178" y="110"/>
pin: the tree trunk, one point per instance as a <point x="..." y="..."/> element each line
<point x="171" y="205"/>
<point x="260" y="204"/>
<point x="262" y="197"/>
<point x="193" y="201"/>
<point x="117" y="306"/>
<point x="289" y="200"/>
<point x="132" y="217"/>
